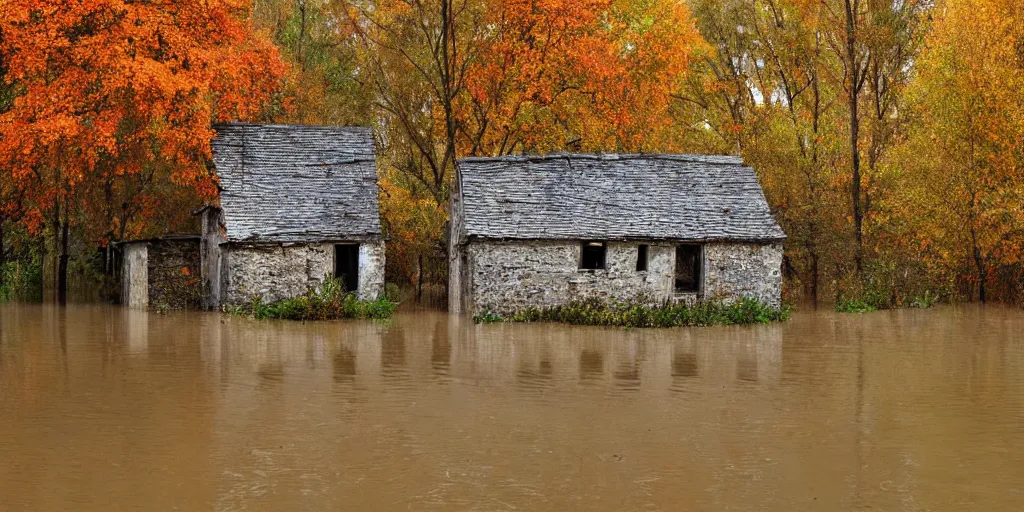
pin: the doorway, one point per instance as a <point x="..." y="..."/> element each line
<point x="688" y="269"/>
<point x="346" y="266"/>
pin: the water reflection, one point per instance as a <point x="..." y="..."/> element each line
<point x="828" y="412"/>
<point x="440" y="348"/>
<point x="344" y="364"/>
<point x="392" y="350"/>
<point x="684" y="364"/>
<point x="591" y="364"/>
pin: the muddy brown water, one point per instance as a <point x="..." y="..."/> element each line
<point x="107" y="409"/>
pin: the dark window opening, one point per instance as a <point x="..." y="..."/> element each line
<point x="346" y="266"/>
<point x="641" y="258"/>
<point x="592" y="256"/>
<point x="688" y="268"/>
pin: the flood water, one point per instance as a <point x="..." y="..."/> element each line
<point x="107" y="409"/>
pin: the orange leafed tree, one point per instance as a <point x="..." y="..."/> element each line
<point x="964" y="161"/>
<point x="592" y="74"/>
<point x="121" y="95"/>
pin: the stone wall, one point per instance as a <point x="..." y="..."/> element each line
<point x="508" y="276"/>
<point x="174" y="274"/>
<point x="280" y="271"/>
<point x="135" y="275"/>
<point x="743" y="270"/>
<point x="371" y="270"/>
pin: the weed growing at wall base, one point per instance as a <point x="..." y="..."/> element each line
<point x="328" y="302"/>
<point x="596" y="312"/>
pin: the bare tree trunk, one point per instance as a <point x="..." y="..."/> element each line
<point x="55" y="251"/>
<point x="62" y="267"/>
<point x="419" y="279"/>
<point x="448" y="70"/>
<point x="979" y="263"/>
<point x="854" y="64"/>
<point x="3" y="253"/>
<point x="302" y="36"/>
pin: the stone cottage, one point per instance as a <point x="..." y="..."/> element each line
<point x="298" y="204"/>
<point x="543" y="230"/>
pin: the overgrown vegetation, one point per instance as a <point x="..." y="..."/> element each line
<point x="21" y="281"/>
<point x="625" y="314"/>
<point x="875" y="300"/>
<point x="329" y="301"/>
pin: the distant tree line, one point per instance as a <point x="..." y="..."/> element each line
<point x="889" y="136"/>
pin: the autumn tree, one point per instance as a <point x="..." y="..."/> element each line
<point x="962" y="170"/>
<point x="111" y="90"/>
<point x="316" y="38"/>
<point x="596" y="75"/>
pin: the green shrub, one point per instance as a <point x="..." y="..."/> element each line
<point x="854" y="306"/>
<point x="21" y="281"/>
<point x="629" y="314"/>
<point x="875" y="299"/>
<point x="327" y="302"/>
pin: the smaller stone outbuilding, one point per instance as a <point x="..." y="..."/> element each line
<point x="539" y="231"/>
<point x="298" y="204"/>
<point x="161" y="272"/>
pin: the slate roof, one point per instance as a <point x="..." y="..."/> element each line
<point x="287" y="183"/>
<point x="614" y="197"/>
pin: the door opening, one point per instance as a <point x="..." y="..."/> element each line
<point x="346" y="266"/>
<point x="688" y="268"/>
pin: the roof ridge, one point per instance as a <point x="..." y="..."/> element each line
<point x="678" y="157"/>
<point x="279" y="125"/>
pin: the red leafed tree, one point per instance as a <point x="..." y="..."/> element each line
<point x="116" y="97"/>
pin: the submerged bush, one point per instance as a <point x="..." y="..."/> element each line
<point x="21" y="281"/>
<point x="330" y="301"/>
<point x="625" y="314"/>
<point x="874" y="299"/>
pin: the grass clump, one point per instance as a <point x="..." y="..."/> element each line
<point x="329" y="301"/>
<point x="626" y="314"/>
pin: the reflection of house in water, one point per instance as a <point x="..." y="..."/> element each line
<point x="591" y="364"/>
<point x="444" y="349"/>
<point x="392" y="350"/>
<point x="344" y="362"/>
<point x="684" y="362"/>
<point x="746" y="362"/>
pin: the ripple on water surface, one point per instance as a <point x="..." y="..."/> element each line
<point x="106" y="408"/>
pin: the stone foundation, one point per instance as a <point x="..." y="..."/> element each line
<point x="505" y="277"/>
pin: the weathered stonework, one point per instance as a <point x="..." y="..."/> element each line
<point x="162" y="272"/>
<point x="371" y="270"/>
<point x="135" y="275"/>
<point x="279" y="271"/>
<point x="734" y="270"/>
<point x="505" y="277"/>
<point x="174" y="270"/>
